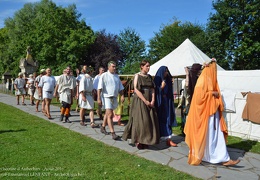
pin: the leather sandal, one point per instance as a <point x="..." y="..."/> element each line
<point x="82" y="123"/>
<point x="93" y="125"/>
<point x="231" y="162"/>
<point x="170" y="143"/>
<point x="114" y="136"/>
<point x="103" y="130"/>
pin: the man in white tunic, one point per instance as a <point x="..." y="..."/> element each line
<point x="86" y="100"/>
<point x="36" y="93"/>
<point x="78" y="78"/>
<point x="46" y="90"/>
<point x="101" y="70"/>
<point x="110" y="85"/>
<point x="65" y="88"/>
<point x="19" y="84"/>
<point x="31" y="88"/>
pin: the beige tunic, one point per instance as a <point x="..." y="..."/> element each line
<point x="66" y="85"/>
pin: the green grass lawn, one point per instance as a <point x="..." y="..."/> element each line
<point x="34" y="148"/>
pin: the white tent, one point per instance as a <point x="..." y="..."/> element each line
<point x="231" y="84"/>
<point x="184" y="55"/>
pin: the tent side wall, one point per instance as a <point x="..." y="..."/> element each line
<point x="231" y="84"/>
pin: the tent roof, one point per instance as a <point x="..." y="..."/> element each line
<point x="184" y="55"/>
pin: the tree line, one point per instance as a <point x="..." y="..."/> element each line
<point x="58" y="37"/>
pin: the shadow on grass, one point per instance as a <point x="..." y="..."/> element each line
<point x="246" y="145"/>
<point x="8" y="131"/>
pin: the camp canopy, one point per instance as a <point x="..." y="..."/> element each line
<point x="184" y="55"/>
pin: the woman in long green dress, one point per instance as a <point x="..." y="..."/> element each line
<point x="142" y="127"/>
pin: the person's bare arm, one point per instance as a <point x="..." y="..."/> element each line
<point x="99" y="97"/>
<point x="56" y="90"/>
<point x="40" y="91"/>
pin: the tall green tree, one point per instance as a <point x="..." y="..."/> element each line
<point x="4" y="58"/>
<point x="133" y="48"/>
<point x="171" y="36"/>
<point x="234" y="33"/>
<point x="57" y="35"/>
<point x="104" y="49"/>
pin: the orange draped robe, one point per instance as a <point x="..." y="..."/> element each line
<point x="203" y="105"/>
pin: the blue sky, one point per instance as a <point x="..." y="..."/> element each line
<point x="144" y="16"/>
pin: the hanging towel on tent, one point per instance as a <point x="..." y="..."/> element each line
<point x="228" y="97"/>
<point x="251" y="110"/>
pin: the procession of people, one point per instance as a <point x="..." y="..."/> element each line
<point x="152" y="112"/>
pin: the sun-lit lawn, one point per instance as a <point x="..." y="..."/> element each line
<point x="34" y="148"/>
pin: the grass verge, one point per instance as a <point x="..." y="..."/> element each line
<point x="35" y="148"/>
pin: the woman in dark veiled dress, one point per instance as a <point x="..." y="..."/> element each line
<point x="164" y="104"/>
<point x="142" y="127"/>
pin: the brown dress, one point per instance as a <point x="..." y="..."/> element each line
<point x="143" y="124"/>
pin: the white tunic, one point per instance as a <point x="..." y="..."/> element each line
<point x="95" y="81"/>
<point x="31" y="87"/>
<point x="36" y="93"/>
<point x="215" y="149"/>
<point x="20" y="83"/>
<point x="86" y="86"/>
<point x="47" y="83"/>
<point x="110" y="84"/>
<point x="66" y="85"/>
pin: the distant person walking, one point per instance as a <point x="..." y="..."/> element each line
<point x="86" y="100"/>
<point x="65" y="90"/>
<point x="101" y="70"/>
<point x="46" y="90"/>
<point x="110" y="86"/>
<point x="19" y="86"/>
<point x="36" y="93"/>
<point x="31" y="88"/>
<point x="78" y="78"/>
<point x="192" y="74"/>
<point x="119" y="111"/>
